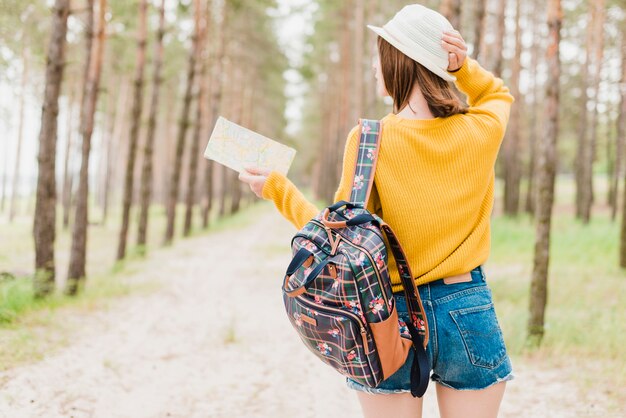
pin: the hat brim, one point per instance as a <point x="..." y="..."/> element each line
<point x="393" y="41"/>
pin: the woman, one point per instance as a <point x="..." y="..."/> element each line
<point x="433" y="185"/>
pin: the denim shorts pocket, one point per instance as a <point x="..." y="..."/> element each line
<point x="481" y="335"/>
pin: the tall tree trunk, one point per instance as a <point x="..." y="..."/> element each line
<point x="20" y="135"/>
<point x="451" y="9"/>
<point x="545" y="180"/>
<point x="67" y="176"/>
<point x="598" y="45"/>
<point x="120" y="125"/>
<point x="536" y="111"/>
<point x="45" y="206"/>
<point x="374" y="16"/>
<point x="5" y="175"/>
<point x="93" y="67"/>
<point x="479" y="26"/>
<point x="586" y="141"/>
<point x="199" y="125"/>
<point x="217" y="86"/>
<point x="512" y="143"/>
<point x="359" y="58"/>
<point x="621" y="141"/>
<point x="134" y="129"/>
<point x="240" y="84"/>
<point x="182" y="131"/>
<point x="329" y="180"/>
<point x="500" y="32"/>
<point x="146" y="172"/>
<point x="226" y="99"/>
<point x="345" y="95"/>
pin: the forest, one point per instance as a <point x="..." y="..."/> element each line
<point x="106" y="107"/>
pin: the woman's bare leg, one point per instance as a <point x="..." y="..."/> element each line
<point x="396" y="405"/>
<point x="482" y="403"/>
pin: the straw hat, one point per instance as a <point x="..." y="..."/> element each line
<point x="416" y="31"/>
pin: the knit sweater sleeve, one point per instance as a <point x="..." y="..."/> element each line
<point x="290" y="201"/>
<point x="489" y="99"/>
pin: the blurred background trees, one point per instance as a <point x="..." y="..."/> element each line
<point x="132" y="89"/>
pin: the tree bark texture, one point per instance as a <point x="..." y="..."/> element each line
<point x="512" y="148"/>
<point x="451" y="9"/>
<point x="479" y="27"/>
<point x="198" y="126"/>
<point x="93" y="67"/>
<point x="182" y="132"/>
<point x="620" y="143"/>
<point x="587" y="132"/>
<point x="146" y="172"/>
<point x="215" y="98"/>
<point x="20" y="136"/>
<point x="45" y="205"/>
<point x="133" y="139"/>
<point x="545" y="181"/>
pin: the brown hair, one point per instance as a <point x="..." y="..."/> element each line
<point x="400" y="73"/>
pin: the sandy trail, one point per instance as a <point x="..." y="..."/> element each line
<point x="214" y="341"/>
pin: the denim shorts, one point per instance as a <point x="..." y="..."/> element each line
<point x="466" y="350"/>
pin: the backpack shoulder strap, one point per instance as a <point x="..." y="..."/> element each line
<point x="369" y="145"/>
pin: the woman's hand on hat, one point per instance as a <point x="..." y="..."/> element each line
<point x="255" y="177"/>
<point x="452" y="42"/>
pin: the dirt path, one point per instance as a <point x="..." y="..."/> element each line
<point x="214" y="342"/>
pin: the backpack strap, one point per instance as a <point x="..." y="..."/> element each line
<point x="418" y="324"/>
<point x="369" y="145"/>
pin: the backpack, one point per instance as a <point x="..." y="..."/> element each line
<point x="337" y="292"/>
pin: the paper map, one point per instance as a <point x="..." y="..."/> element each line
<point x="235" y="146"/>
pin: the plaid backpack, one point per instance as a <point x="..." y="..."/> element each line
<point x="337" y="291"/>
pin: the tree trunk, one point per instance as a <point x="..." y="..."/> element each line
<point x="512" y="142"/>
<point x="146" y="172"/>
<point x="598" y="45"/>
<point x="227" y="98"/>
<point x="374" y="16"/>
<point x="93" y="67"/>
<point x="359" y="58"/>
<point x="451" y="9"/>
<point x="199" y="125"/>
<point x="67" y="176"/>
<point x="240" y="84"/>
<point x="545" y="180"/>
<point x="182" y="131"/>
<point x="134" y="129"/>
<point x="496" y="49"/>
<point x="120" y="125"/>
<point x="345" y="95"/>
<point x="586" y="141"/>
<point x="20" y="136"/>
<point x="621" y="139"/>
<point x="217" y="81"/>
<point x="5" y="173"/>
<point x="479" y="27"/>
<point x="536" y="111"/>
<point x="45" y="205"/>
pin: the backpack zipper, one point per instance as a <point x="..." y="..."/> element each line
<point x="359" y="321"/>
<point x="382" y="288"/>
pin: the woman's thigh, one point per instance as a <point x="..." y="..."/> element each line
<point x="397" y="405"/>
<point x="483" y="403"/>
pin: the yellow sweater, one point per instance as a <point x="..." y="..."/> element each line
<point x="433" y="184"/>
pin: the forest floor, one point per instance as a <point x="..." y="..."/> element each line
<point x="212" y="340"/>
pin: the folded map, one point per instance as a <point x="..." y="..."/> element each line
<point x="236" y="147"/>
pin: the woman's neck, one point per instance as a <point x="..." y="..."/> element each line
<point x="417" y="108"/>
